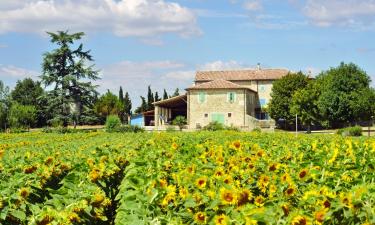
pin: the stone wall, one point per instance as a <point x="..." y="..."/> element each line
<point x="216" y="102"/>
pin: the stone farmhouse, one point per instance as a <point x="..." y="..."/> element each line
<point x="234" y="98"/>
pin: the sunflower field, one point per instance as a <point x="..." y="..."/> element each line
<point x="186" y="178"/>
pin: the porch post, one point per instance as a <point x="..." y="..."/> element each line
<point x="156" y="114"/>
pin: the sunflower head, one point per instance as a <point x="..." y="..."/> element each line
<point x="300" y="220"/>
<point x="228" y="197"/>
<point x="201" y="182"/>
<point x="319" y="215"/>
<point x="200" y="218"/>
<point x="221" y="220"/>
<point x="244" y="197"/>
<point x="290" y="191"/>
<point x="303" y="174"/>
<point x="259" y="201"/>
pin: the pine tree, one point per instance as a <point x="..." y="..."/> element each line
<point x="165" y="95"/>
<point x="65" y="71"/>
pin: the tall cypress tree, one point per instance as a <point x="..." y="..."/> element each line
<point x="65" y="71"/>
<point x="157" y="97"/>
<point x="121" y="95"/>
<point x="127" y="105"/>
<point x="165" y="95"/>
<point x="176" y="93"/>
<point x="150" y="99"/>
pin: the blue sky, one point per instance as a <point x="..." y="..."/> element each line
<point x="163" y="42"/>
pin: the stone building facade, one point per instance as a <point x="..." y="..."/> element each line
<point x="234" y="98"/>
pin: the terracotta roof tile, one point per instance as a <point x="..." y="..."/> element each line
<point x="218" y="84"/>
<point x="255" y="74"/>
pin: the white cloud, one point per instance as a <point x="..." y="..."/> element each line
<point x="3" y="46"/>
<point x="253" y="5"/>
<point x="12" y="72"/>
<point x="222" y="65"/>
<point x="141" y="18"/>
<point x="181" y="75"/>
<point x="358" y="14"/>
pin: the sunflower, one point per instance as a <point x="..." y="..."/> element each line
<point x="290" y="191"/>
<point x="244" y="197"/>
<point x="174" y="145"/>
<point x="285" y="178"/>
<point x="183" y="192"/>
<point x="201" y="182"/>
<point x="24" y="192"/>
<point x="263" y="182"/>
<point x="228" y="179"/>
<point x="249" y="221"/>
<point x="300" y="220"/>
<point x="346" y="200"/>
<point x="303" y="174"/>
<point x="285" y="209"/>
<point x="319" y="215"/>
<point x="221" y="220"/>
<point x="200" y="218"/>
<point x="273" y="167"/>
<point x="219" y="172"/>
<point x="259" y="201"/>
<point x="261" y="153"/>
<point x="228" y="197"/>
<point x="163" y="183"/>
<point x="236" y="145"/>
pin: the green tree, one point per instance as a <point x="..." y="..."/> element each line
<point x="304" y="104"/>
<point x="127" y="106"/>
<point x="343" y="90"/>
<point x="143" y="107"/>
<point x="4" y="105"/>
<point x="176" y="93"/>
<point x="65" y="70"/>
<point x="122" y="101"/>
<point x="22" y="116"/>
<point x="150" y="99"/>
<point x="363" y="104"/>
<point x="157" y="98"/>
<point x="281" y="96"/>
<point x="165" y="95"/>
<point x="108" y="104"/>
<point x="30" y="92"/>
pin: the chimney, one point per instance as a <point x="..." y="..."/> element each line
<point x="258" y="66"/>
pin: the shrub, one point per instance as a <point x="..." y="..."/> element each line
<point x="214" y="126"/>
<point x="179" y="121"/>
<point x="112" y="123"/>
<point x="128" y="129"/>
<point x="257" y="129"/>
<point x="350" y="131"/>
<point x="232" y="128"/>
<point x="171" y="129"/>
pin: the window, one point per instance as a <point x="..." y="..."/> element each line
<point x="231" y="97"/>
<point x="229" y="115"/>
<point x="217" y="117"/>
<point x="206" y="115"/>
<point x="262" y="88"/>
<point x="263" y="102"/>
<point x="201" y="97"/>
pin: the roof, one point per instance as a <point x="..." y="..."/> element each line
<point x="172" y="102"/>
<point x="218" y="84"/>
<point x="254" y="74"/>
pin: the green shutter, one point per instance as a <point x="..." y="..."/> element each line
<point x="217" y="117"/>
<point x="202" y="97"/>
<point x="231" y="97"/>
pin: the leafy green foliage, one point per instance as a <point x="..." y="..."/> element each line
<point x="64" y="69"/>
<point x="345" y="96"/>
<point x="282" y="93"/>
<point x="214" y="126"/>
<point x="180" y="121"/>
<point x="108" y="104"/>
<point x="112" y="123"/>
<point x="350" y="131"/>
<point x="22" y="116"/>
<point x="4" y="105"/>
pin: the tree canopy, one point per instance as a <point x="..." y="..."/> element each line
<point x="281" y="96"/>
<point x="65" y="70"/>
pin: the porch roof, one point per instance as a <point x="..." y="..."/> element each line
<point x="173" y="102"/>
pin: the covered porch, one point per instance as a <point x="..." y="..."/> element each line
<point x="167" y="110"/>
